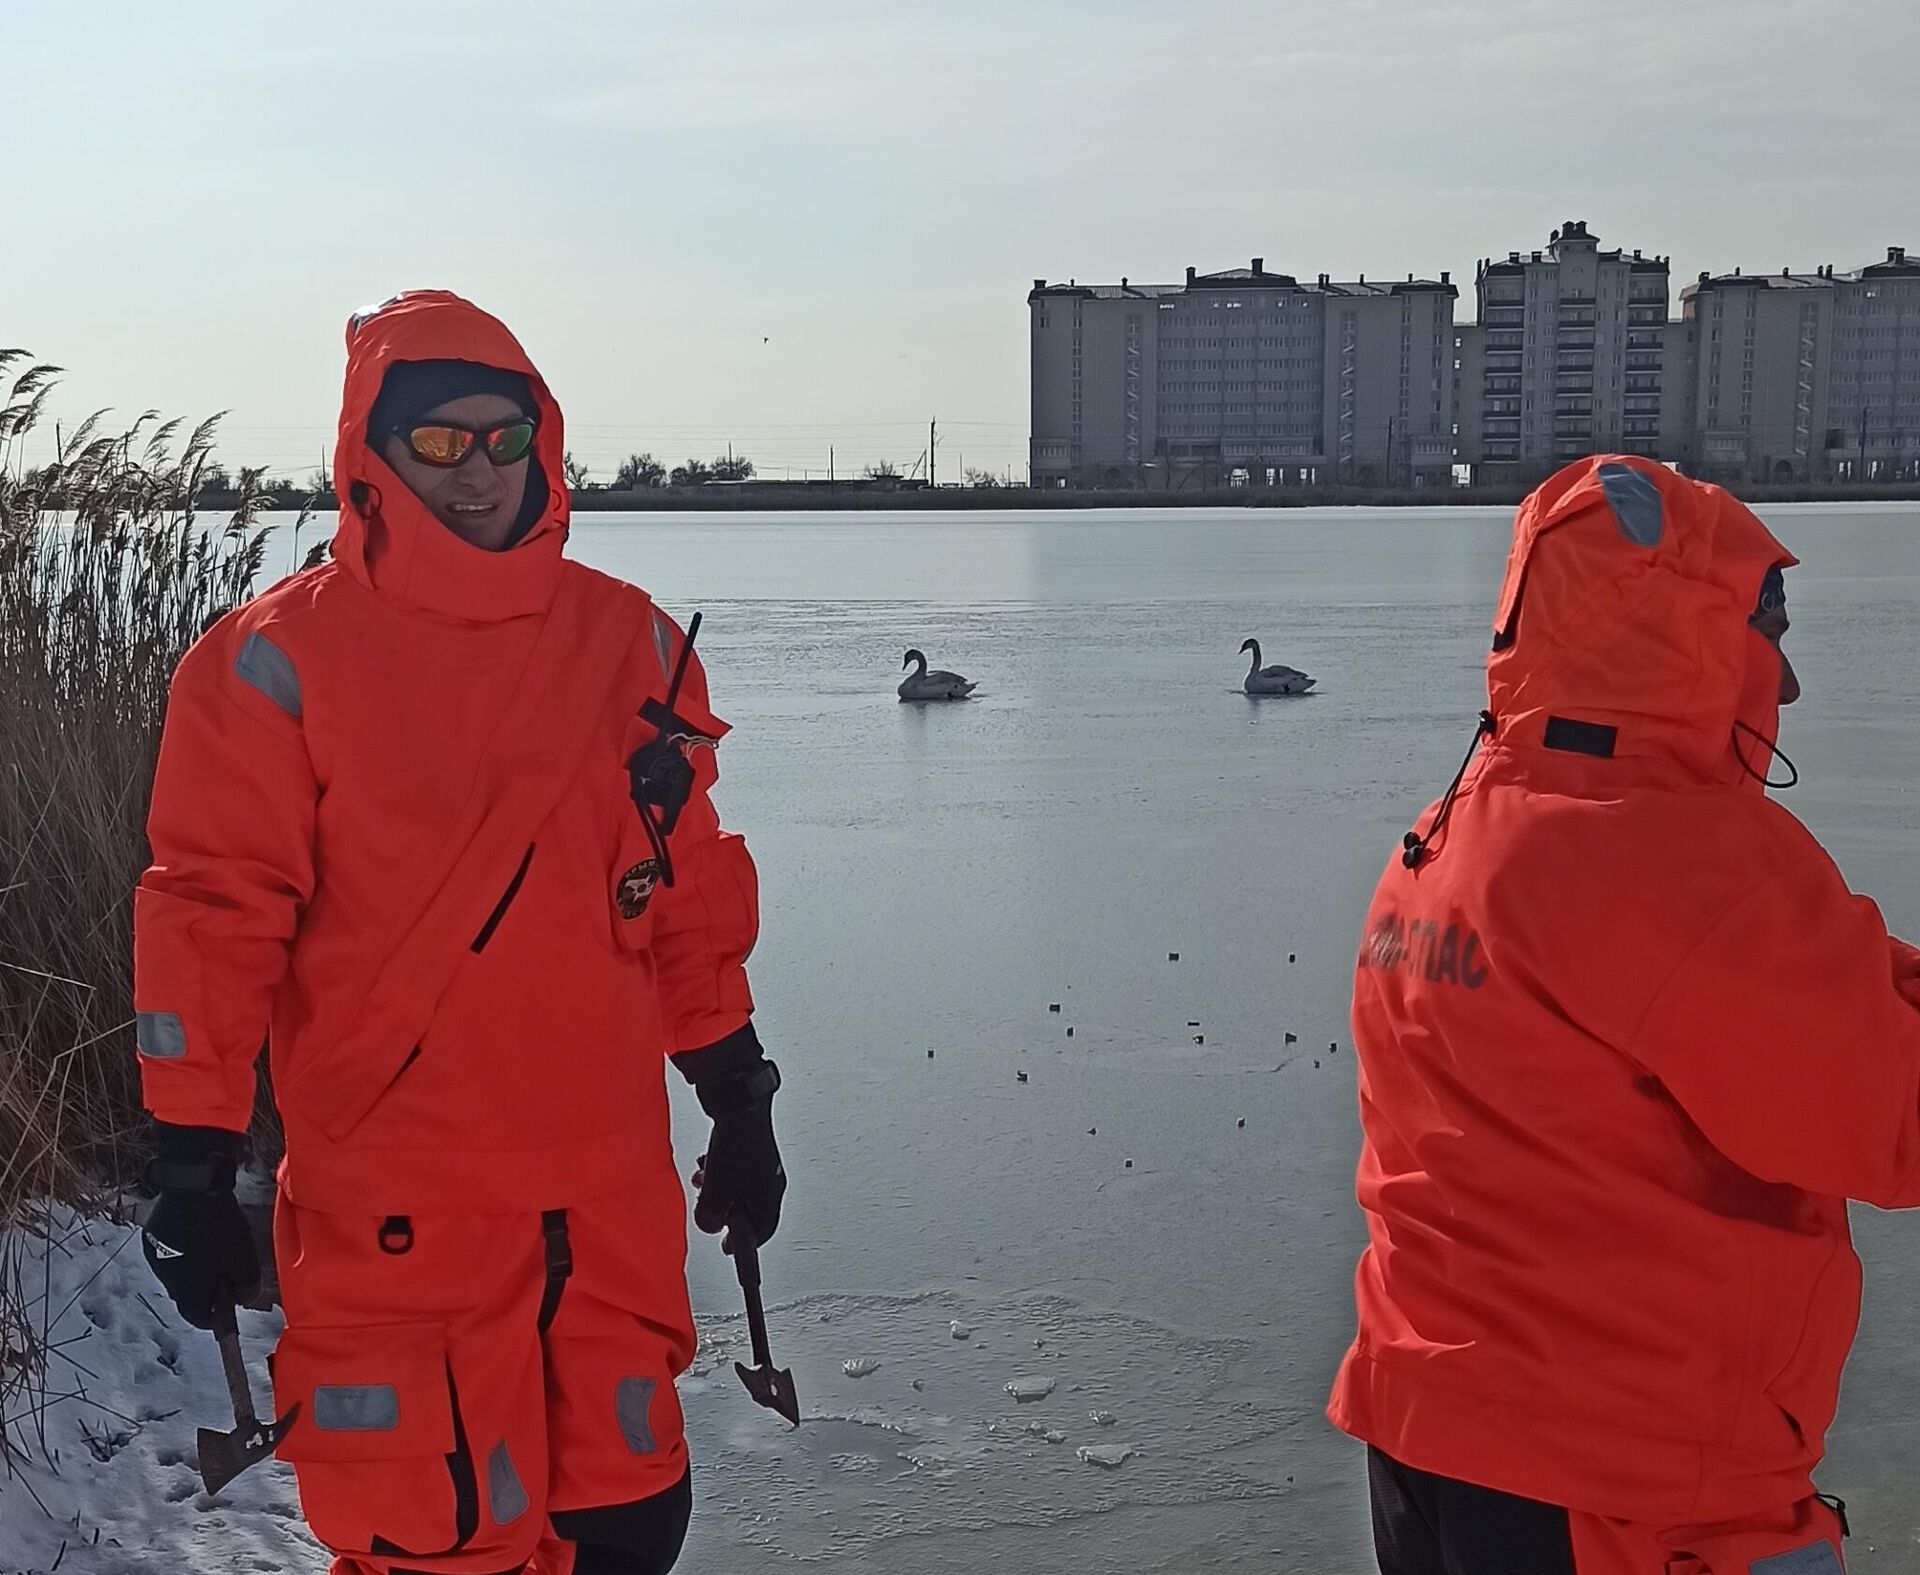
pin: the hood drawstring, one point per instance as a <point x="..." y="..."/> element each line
<point x="1774" y="749"/>
<point x="1413" y="843"/>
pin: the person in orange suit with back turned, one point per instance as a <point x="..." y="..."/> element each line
<point x="395" y="833"/>
<point x="1627" y="1045"/>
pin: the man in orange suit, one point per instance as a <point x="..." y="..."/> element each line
<point x="433" y="820"/>
<point x="1628" y="1044"/>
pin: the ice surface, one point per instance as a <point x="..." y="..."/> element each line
<point x="937" y="878"/>
<point x="1029" y="1389"/>
<point x="953" y="1454"/>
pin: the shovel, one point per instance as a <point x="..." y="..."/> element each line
<point x="223" y="1456"/>
<point x="769" y="1386"/>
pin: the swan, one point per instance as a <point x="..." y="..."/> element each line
<point x="935" y="685"/>
<point x="1275" y="680"/>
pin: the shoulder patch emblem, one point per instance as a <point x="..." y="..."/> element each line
<point x="636" y="888"/>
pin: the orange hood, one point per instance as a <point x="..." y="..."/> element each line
<point x="387" y="538"/>
<point x="1625" y="606"/>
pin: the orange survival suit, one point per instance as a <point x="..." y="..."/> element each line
<point x="1627" y="1045"/>
<point x="392" y="836"/>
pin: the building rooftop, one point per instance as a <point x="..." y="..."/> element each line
<point x="1786" y="279"/>
<point x="1573" y="235"/>
<point x="1256" y="277"/>
<point x="1896" y="266"/>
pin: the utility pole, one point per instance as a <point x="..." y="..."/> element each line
<point x="933" y="437"/>
<point x="829" y="464"/>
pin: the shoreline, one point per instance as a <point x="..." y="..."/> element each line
<point x="799" y="497"/>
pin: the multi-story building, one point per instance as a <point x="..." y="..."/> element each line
<point x="1576" y="354"/>
<point x="1807" y="376"/>
<point x="1874" y="407"/>
<point x="1763" y="362"/>
<point x="1242" y="377"/>
<point x="1248" y="377"/>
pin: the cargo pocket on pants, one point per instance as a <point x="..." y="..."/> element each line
<point x="379" y="1448"/>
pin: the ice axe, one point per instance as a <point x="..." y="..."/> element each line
<point x="769" y="1386"/>
<point x="223" y="1456"/>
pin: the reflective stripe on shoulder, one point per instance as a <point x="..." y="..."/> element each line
<point x="160" y="1036"/>
<point x="269" y="669"/>
<point x="1636" y="505"/>
<point x="663" y="642"/>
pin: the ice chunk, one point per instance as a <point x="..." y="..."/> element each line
<point x="860" y="1367"/>
<point x="1111" y="1456"/>
<point x="959" y="1330"/>
<point x="1026" y="1390"/>
<point x="1052" y="1435"/>
<point x="1102" y="1418"/>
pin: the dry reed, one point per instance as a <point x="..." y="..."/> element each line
<point x="106" y="577"/>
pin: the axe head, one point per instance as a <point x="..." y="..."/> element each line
<point x="771" y="1387"/>
<point x="223" y="1456"/>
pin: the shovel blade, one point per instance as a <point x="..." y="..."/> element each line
<point x="224" y="1456"/>
<point x="771" y="1387"/>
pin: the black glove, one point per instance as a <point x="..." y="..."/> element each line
<point x="741" y="1168"/>
<point x="197" y="1242"/>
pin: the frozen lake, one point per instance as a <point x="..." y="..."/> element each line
<point x="935" y="879"/>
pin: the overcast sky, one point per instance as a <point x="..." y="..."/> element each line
<point x="790" y="223"/>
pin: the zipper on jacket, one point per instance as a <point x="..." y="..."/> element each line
<point x="505" y="902"/>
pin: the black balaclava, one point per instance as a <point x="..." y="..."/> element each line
<point x="412" y="388"/>
<point x="1773" y="594"/>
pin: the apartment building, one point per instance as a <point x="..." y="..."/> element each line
<point x="1873" y="412"/>
<point x="1252" y="377"/>
<point x="1576" y="356"/>
<point x="1807" y="376"/>
<point x="1242" y="377"/>
<point x="1763" y="348"/>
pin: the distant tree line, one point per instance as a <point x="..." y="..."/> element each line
<point x="635" y="473"/>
